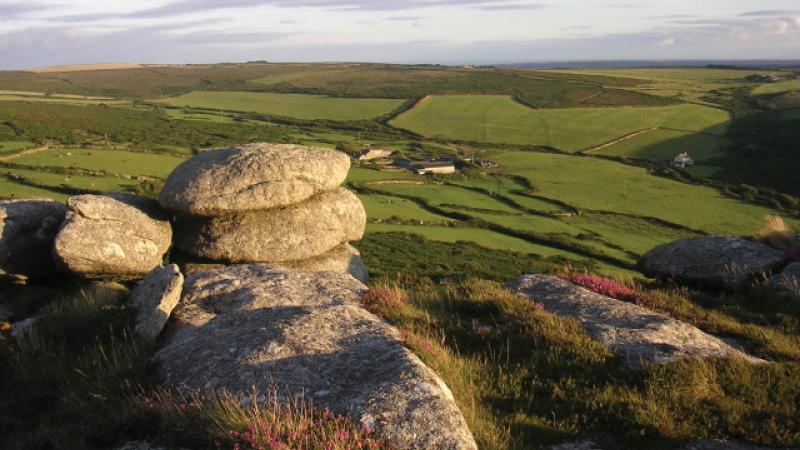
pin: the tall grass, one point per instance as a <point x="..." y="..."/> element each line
<point x="777" y="234"/>
<point x="524" y="378"/>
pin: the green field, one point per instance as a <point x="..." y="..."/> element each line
<point x="662" y="145"/>
<point x="686" y="75"/>
<point x="777" y="88"/>
<point x="112" y="161"/>
<point x="599" y="185"/>
<point x="298" y="106"/>
<point x="501" y="120"/>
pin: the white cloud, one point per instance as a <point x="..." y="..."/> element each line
<point x="668" y="42"/>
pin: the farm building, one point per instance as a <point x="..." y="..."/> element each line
<point x="429" y="166"/>
<point x="369" y="154"/>
<point x="682" y="160"/>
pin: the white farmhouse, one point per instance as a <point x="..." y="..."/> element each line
<point x="682" y="160"/>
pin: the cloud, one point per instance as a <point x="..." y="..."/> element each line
<point x="667" y="42"/>
<point x="405" y="18"/>
<point x="14" y="10"/>
<point x="190" y="6"/>
<point x="770" y="12"/>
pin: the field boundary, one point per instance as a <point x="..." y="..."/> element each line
<point x="620" y="140"/>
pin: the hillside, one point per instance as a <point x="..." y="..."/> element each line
<point x="555" y="181"/>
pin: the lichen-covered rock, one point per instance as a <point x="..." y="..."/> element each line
<point x="634" y="332"/>
<point x="302" y="333"/>
<point x="788" y="281"/>
<point x="27" y="230"/>
<point x="112" y="236"/>
<point x="296" y="232"/>
<point x="154" y="298"/>
<point x="711" y="261"/>
<point x="343" y="259"/>
<point x="252" y="177"/>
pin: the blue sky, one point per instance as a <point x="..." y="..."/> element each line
<point x="40" y="33"/>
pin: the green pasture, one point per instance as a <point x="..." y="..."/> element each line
<point x="600" y="185"/>
<point x="113" y="161"/>
<point x="182" y="114"/>
<point x="386" y="207"/>
<point x="298" y="106"/>
<point x="662" y="145"/>
<point x="703" y="171"/>
<point x="484" y="118"/>
<point x="364" y="175"/>
<point x="10" y="189"/>
<point x="12" y="96"/>
<point x="57" y="180"/>
<point x="441" y="194"/>
<point x="508" y="188"/>
<point x="14" y="146"/>
<point x="777" y="88"/>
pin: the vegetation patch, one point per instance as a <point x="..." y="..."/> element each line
<point x="500" y="119"/>
<point x="298" y="106"/>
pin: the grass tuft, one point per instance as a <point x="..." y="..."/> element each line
<point x="777" y="234"/>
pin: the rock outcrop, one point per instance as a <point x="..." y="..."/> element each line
<point x="788" y="281"/>
<point x="302" y="333"/>
<point x="27" y="232"/>
<point x="154" y="298"/>
<point x="267" y="203"/>
<point x="634" y="332"/>
<point x="711" y="261"/>
<point x="252" y="177"/>
<point x="112" y="236"/>
<point x="292" y="233"/>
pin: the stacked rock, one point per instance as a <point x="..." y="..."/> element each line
<point x="278" y="204"/>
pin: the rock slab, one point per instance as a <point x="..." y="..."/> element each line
<point x="788" y="281"/>
<point x="154" y="298"/>
<point x="27" y="231"/>
<point x="252" y="177"/>
<point x="305" y="334"/>
<point x="636" y="333"/>
<point x="112" y="236"/>
<point x="711" y="261"/>
<point x="296" y="232"/>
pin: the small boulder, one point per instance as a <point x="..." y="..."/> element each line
<point x="634" y="332"/>
<point x="154" y="298"/>
<point x="112" y="236"/>
<point x="27" y="231"/>
<point x="292" y="233"/>
<point x="304" y="335"/>
<point x="711" y="261"/>
<point x="252" y="177"/>
<point x="788" y="281"/>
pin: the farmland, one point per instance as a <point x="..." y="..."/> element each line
<point x="298" y="106"/>
<point x="597" y="203"/>
<point x="499" y="119"/>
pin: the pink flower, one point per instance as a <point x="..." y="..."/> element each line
<point x="605" y="286"/>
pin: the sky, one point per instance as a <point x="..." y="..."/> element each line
<point x="36" y="33"/>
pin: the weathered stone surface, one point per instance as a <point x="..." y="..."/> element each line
<point x="293" y="233"/>
<point x="303" y="333"/>
<point x="788" y="281"/>
<point x="110" y="236"/>
<point x="154" y="298"/>
<point x="27" y="230"/>
<point x="714" y="261"/>
<point x="342" y="259"/>
<point x="636" y="333"/>
<point x="22" y="327"/>
<point x="140" y="445"/>
<point x="252" y="177"/>
<point x="727" y="445"/>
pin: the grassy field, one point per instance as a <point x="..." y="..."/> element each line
<point x="112" y="161"/>
<point x="499" y="119"/>
<point x="686" y="75"/>
<point x="777" y="88"/>
<point x="298" y="106"/>
<point x="9" y="147"/>
<point x="593" y="184"/>
<point x="662" y="145"/>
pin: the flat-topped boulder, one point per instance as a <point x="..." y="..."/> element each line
<point x="292" y="233"/>
<point x="252" y="177"/>
<point x="342" y="259"/>
<point x="634" y="332"/>
<point x="788" y="281"/>
<point x="112" y="236"/>
<point x="711" y="261"/>
<point x="304" y="334"/>
<point x="28" y="228"/>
